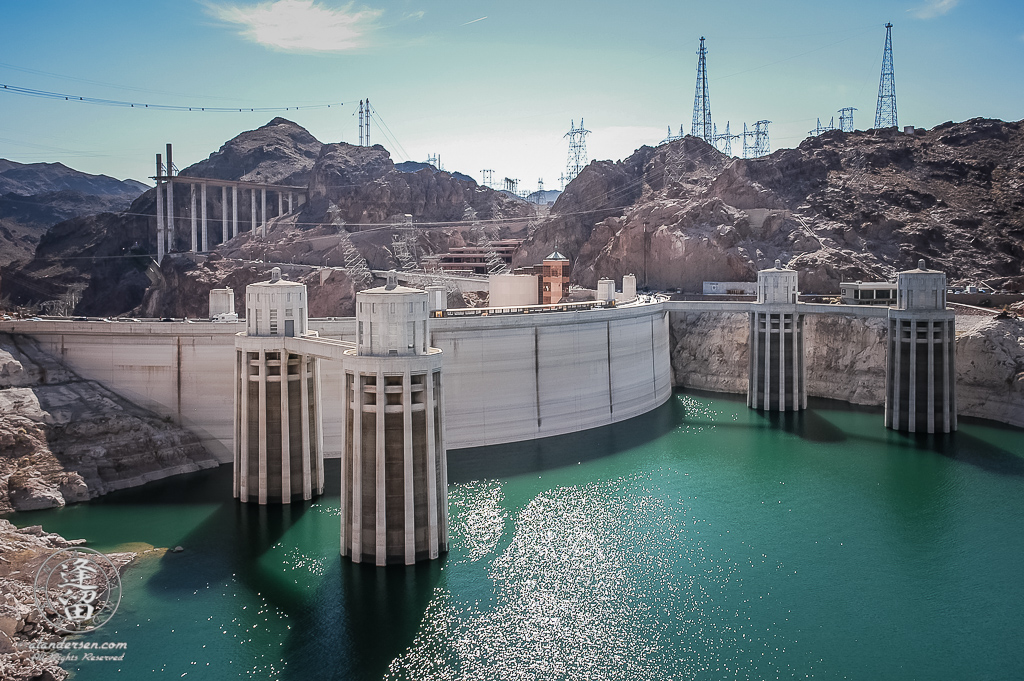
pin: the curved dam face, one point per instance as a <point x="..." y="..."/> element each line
<point x="522" y="377"/>
<point x="507" y="378"/>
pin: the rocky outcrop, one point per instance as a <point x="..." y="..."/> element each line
<point x="280" y="152"/>
<point x="184" y="287"/>
<point x="64" y="439"/>
<point x="365" y="186"/>
<point x="98" y="264"/>
<point x="709" y="351"/>
<point x="845" y="359"/>
<point x="858" y="205"/>
<point x="990" y="370"/>
<point x="22" y="551"/>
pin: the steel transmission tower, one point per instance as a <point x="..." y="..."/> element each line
<point x="885" y="114"/>
<point x="364" y="123"/>
<point x="823" y="128"/>
<point x="723" y="142"/>
<point x="702" y="126"/>
<point x="761" y="145"/>
<point x="846" y="118"/>
<point x="577" y="151"/>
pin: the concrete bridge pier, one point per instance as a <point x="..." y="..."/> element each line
<point x="234" y="211"/>
<point x="278" y="443"/>
<point x="776" y="366"/>
<point x="920" y="379"/>
<point x="192" y="217"/>
<point x="223" y="214"/>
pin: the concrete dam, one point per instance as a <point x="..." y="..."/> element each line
<point x="507" y="377"/>
<point x="279" y="396"/>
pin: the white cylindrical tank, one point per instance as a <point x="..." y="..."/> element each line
<point x="512" y="290"/>
<point x="921" y="289"/>
<point x="605" y="290"/>
<point x="391" y="320"/>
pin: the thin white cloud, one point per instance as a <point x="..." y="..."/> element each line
<point x="415" y="15"/>
<point x="473" y="22"/>
<point x="934" y="8"/>
<point x="299" y="25"/>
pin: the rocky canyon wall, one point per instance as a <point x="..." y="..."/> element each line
<point x="845" y="360"/>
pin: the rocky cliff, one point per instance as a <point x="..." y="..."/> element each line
<point x="280" y="152"/>
<point x="845" y="359"/>
<point x="64" y="439"/>
<point x="367" y="188"/>
<point x="859" y="205"/>
<point x="184" y="287"/>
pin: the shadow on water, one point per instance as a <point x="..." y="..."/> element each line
<point x="805" y="424"/>
<point x="362" y="618"/>
<point x="966" y="448"/>
<point x="358" y="617"/>
<point x="531" y="456"/>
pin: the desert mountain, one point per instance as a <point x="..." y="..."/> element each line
<point x="859" y="205"/>
<point x="35" y="196"/>
<point x="101" y="261"/>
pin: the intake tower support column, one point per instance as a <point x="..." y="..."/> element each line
<point x="920" y="378"/>
<point x="775" y="378"/>
<point x="394" y="475"/>
<point x="278" y="432"/>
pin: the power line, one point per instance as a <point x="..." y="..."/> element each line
<point x="388" y="133"/>
<point x="45" y="94"/>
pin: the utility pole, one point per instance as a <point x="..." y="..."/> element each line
<point x="885" y="113"/>
<point x="723" y="142"/>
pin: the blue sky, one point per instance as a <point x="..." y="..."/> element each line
<point x="485" y="84"/>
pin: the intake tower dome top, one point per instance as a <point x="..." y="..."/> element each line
<point x="777" y="285"/>
<point x="276" y="307"/>
<point x="921" y="289"/>
<point x="391" y="320"/>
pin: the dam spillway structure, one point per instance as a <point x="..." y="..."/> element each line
<point x="920" y="379"/>
<point x="278" y="443"/>
<point x="394" y="475"/>
<point x="776" y="365"/>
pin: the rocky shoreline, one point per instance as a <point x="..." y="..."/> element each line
<point x="22" y="551"/>
<point x="64" y="439"/>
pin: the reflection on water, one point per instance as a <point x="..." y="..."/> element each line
<point x="703" y="541"/>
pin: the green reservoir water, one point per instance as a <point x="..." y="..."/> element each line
<point x="702" y="541"/>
